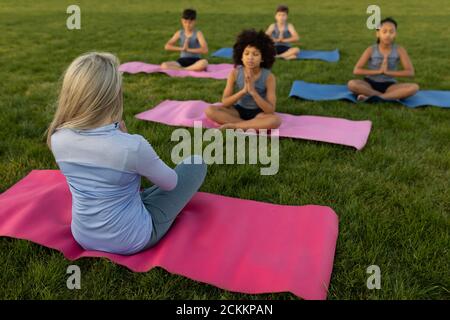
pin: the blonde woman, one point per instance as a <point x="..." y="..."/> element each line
<point x="103" y="164"/>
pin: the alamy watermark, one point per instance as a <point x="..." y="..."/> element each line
<point x="74" y="280"/>
<point x="74" y="20"/>
<point x="374" y="280"/>
<point x="237" y="142"/>
<point x="374" y="19"/>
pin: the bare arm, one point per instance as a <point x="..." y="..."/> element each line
<point x="171" y="44"/>
<point x="268" y="104"/>
<point x="269" y="32"/>
<point x="408" y="69"/>
<point x="228" y="98"/>
<point x="359" y="69"/>
<point x="203" y="45"/>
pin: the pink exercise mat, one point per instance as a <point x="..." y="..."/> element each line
<point x="214" y="71"/>
<point x="238" y="245"/>
<point x="333" y="130"/>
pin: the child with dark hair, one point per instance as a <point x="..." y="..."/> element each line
<point x="283" y="33"/>
<point x="192" y="45"/>
<point x="382" y="59"/>
<point x="249" y="97"/>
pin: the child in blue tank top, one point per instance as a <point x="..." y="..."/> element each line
<point x="249" y="97"/>
<point x="283" y="33"/>
<point x="191" y="45"/>
<point x="382" y="60"/>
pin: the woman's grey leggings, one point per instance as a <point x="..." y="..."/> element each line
<point x="164" y="206"/>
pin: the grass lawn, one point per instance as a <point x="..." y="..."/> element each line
<point x="392" y="198"/>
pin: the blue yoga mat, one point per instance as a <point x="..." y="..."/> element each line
<point x="224" y="53"/>
<point x="329" y="56"/>
<point x="322" y="92"/>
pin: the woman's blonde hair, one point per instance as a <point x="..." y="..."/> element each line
<point x="91" y="93"/>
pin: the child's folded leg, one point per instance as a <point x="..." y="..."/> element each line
<point x="261" y="121"/>
<point x="171" y="65"/>
<point x="400" y="91"/>
<point x="362" y="88"/>
<point x="290" y="54"/>
<point x="200" y="65"/>
<point x="222" y="114"/>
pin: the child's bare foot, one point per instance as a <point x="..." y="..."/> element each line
<point x="362" y="97"/>
<point x="228" y="126"/>
<point x="291" y="57"/>
<point x="171" y="67"/>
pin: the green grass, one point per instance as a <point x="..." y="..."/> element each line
<point x="392" y="198"/>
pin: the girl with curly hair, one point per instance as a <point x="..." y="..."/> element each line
<point x="249" y="97"/>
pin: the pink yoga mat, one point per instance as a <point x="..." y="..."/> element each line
<point x="214" y="71"/>
<point x="325" y="129"/>
<point x="238" y="245"/>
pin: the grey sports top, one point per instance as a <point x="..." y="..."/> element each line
<point x="286" y="34"/>
<point x="247" y="101"/>
<point x="376" y="59"/>
<point x="192" y="44"/>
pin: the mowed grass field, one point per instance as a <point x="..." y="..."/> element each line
<point x="392" y="198"/>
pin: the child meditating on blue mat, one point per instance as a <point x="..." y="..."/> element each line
<point x="249" y="97"/>
<point x="382" y="59"/>
<point x="283" y="33"/>
<point x="103" y="164"/>
<point x="192" y="45"/>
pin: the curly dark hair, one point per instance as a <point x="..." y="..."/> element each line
<point x="259" y="40"/>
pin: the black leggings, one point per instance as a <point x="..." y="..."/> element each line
<point x="247" y="114"/>
<point x="281" y="49"/>
<point x="379" y="86"/>
<point x="186" y="62"/>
